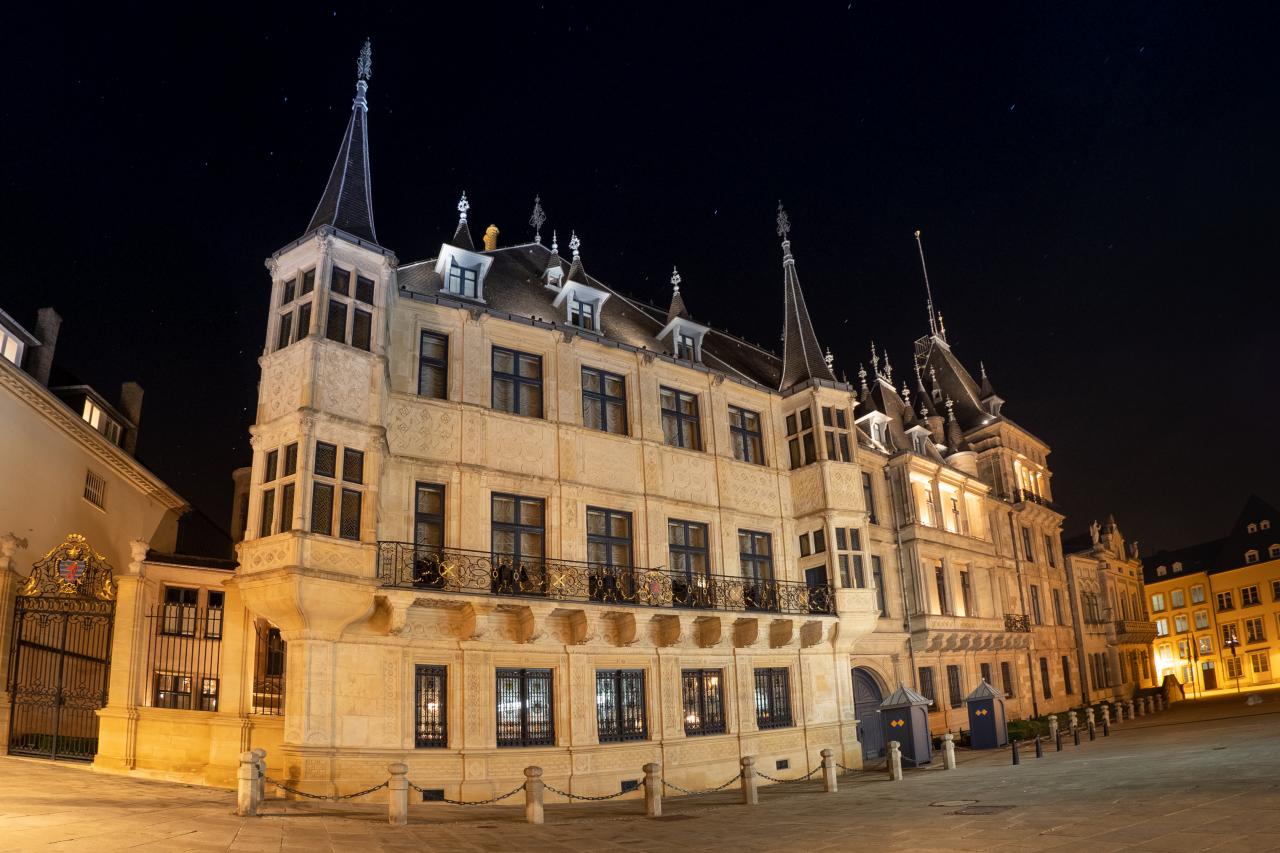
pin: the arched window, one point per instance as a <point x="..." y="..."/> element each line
<point x="1273" y="551"/>
<point x="1251" y="556"/>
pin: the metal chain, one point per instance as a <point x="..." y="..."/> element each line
<point x="577" y="797"/>
<point x="845" y="769"/>
<point x="489" y="801"/>
<point x="803" y="778"/>
<point x="333" y="797"/>
<point x="708" y="791"/>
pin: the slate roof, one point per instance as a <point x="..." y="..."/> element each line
<point x="801" y="355"/>
<point x="347" y="203"/>
<point x="514" y="285"/>
<point x="984" y="691"/>
<point x="1225" y="554"/>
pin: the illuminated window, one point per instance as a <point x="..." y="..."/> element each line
<point x="525" y="708"/>
<point x="1197" y="594"/>
<point x="11" y="348"/>
<point x="1260" y="661"/>
<point x="583" y="315"/>
<point x="773" y="697"/>
<point x="1180" y="624"/>
<point x="745" y="435"/>
<point x="430" y="706"/>
<point x="1229" y="635"/>
<point x="835" y="420"/>
<point x="1249" y="596"/>
<point x="463" y="280"/>
<point x="1206" y="645"/>
<point x="1162" y="627"/>
<point x="1157" y="602"/>
<point x="1254" y="631"/>
<point x="801" y="444"/>
<point x="1177" y="598"/>
<point x="681" y="424"/>
<point x="686" y="347"/>
<point x="1235" y="667"/>
<point x="517" y="382"/>
<point x="1202" y="619"/>
<point x="95" y="417"/>
<point x="1251" y="556"/>
<point x="433" y="365"/>
<point x="620" y="708"/>
<point x="1225" y="602"/>
<point x="702" y="696"/>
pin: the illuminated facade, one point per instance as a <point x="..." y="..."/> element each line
<point x="1216" y="605"/>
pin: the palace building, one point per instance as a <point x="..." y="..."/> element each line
<point x="501" y="514"/>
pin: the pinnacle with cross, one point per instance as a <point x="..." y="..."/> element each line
<point x="463" y="207"/>
<point x="574" y="243"/>
<point x="675" y="280"/>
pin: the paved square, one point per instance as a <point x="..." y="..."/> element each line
<point x="1201" y="776"/>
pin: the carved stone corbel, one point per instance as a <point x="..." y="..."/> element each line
<point x="746" y="633"/>
<point x="666" y="631"/>
<point x="474" y="622"/>
<point x="710" y="632"/>
<point x="782" y="634"/>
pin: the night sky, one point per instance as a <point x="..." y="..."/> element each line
<point x="1097" y="188"/>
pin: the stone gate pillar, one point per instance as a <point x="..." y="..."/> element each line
<point x="118" y="721"/>
<point x="9" y="577"/>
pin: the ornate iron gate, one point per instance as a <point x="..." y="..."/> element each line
<point x="61" y="657"/>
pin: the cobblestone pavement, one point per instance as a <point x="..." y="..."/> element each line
<point x="1201" y="776"/>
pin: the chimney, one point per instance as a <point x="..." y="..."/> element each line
<point x="491" y="238"/>
<point x="131" y="408"/>
<point x="41" y="360"/>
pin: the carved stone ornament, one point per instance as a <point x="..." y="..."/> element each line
<point x="71" y="569"/>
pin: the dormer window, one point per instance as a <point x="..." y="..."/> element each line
<point x="98" y="419"/>
<point x="1265" y="524"/>
<point x="1273" y="552"/>
<point x="11" y="347"/>
<point x="1161" y="571"/>
<point x="583" y="314"/>
<point x="1252" y="528"/>
<point x="582" y="304"/>
<point x="1250" y="556"/>
<point x="685" y="347"/>
<point x="463" y="280"/>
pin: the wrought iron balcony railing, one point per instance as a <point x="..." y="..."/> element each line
<point x="1022" y="495"/>
<point x="409" y="566"/>
<point x="1017" y="623"/>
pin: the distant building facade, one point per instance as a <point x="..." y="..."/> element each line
<point x="1216" y="605"/>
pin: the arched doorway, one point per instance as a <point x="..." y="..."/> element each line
<point x="867" y="697"/>
<point x="61" y="661"/>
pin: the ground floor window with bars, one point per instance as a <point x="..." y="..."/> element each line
<point x="430" y="706"/>
<point x="526" y="714"/>
<point x="268" y="670"/>
<point x="702" y="692"/>
<point x="1006" y="678"/>
<point x="183" y="664"/>
<point x="773" y="698"/>
<point x="620" y="711"/>
<point x="954" y="694"/>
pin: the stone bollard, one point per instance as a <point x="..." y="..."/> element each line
<point x="1142" y="708"/>
<point x="653" y="790"/>
<point x="1159" y="702"/>
<point x="1014" y="750"/>
<point x="1071" y="717"/>
<point x="750" y="792"/>
<point x="260" y="762"/>
<point x="247" y="785"/>
<point x="1151" y="704"/>
<point x="1132" y="712"/>
<point x="533" y="793"/>
<point x="1093" y="731"/>
<point x="895" y="761"/>
<point x="948" y="751"/>
<point x="1106" y="727"/>
<point x="1075" y="737"/>
<point x="398" y="795"/>
<point x="1053" y="726"/>
<point x="828" y="771"/>
<point x="1106" y="714"/>
<point x="1057" y="740"/>
<point x="1088" y="717"/>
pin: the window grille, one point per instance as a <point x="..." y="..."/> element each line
<point x="430" y="706"/>
<point x="269" y="654"/>
<point x="954" y="695"/>
<point x="95" y="489"/>
<point x="620" y="706"/>
<point x="179" y="657"/>
<point x="525" y="707"/>
<point x="926" y="682"/>
<point x="702" y="691"/>
<point x="773" y="698"/>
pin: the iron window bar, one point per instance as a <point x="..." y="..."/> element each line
<point x="407" y="565"/>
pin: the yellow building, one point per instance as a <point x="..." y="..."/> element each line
<point x="1216" y="605"/>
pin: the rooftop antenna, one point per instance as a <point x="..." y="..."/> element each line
<point x="933" y="317"/>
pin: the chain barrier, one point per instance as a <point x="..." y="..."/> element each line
<point x="847" y="769"/>
<point x="332" y="797"/>
<point x="579" y="797"/>
<point x="487" y="802"/>
<point x="803" y="778"/>
<point x="708" y="791"/>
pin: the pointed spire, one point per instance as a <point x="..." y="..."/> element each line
<point x="347" y="202"/>
<point x="576" y="271"/>
<point x="462" y="235"/>
<point x="677" y="308"/>
<point x="934" y="328"/>
<point x="862" y="379"/>
<point x="954" y="436"/>
<point x="801" y="354"/>
<point x="875" y="361"/>
<point x="987" y="389"/>
<point x="555" y="261"/>
<point x="537" y="220"/>
<point x="888" y="369"/>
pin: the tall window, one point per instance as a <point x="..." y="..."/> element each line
<point x="609" y="552"/>
<point x="1045" y="687"/>
<point x="525" y="707"/>
<point x="1197" y="594"/>
<point x="1027" y="551"/>
<point x="1050" y="558"/>
<point x="604" y="401"/>
<point x="620" y="710"/>
<point x="877" y="577"/>
<point x="1162" y="627"/>
<point x="294" y="312"/>
<point x="1176" y="599"/>
<point x="801" y="445"/>
<point x="463" y="280"/>
<point x="869" y="498"/>
<point x="279" y="479"/>
<point x="1056" y="595"/>
<point x="1249" y="596"/>
<point x="350" y="314"/>
<point x="1254" y="632"/>
<point x="1224" y="601"/>
<point x="1180" y="623"/>
<point x="954" y="694"/>
<point x="433" y="366"/>
<point x="1066" y="675"/>
<point x="966" y="594"/>
<point x="329" y="496"/>
<point x="1157" y="602"/>
<point x="755" y="556"/>
<point x="1235" y="667"/>
<point x="835" y="422"/>
<point x="926" y="682"/>
<point x="985" y="669"/>
<point x="1260" y="661"/>
<point x="1035" y="605"/>
<point x="428" y="535"/>
<point x="744" y="434"/>
<point x="681" y="426"/>
<point x="773" y="697"/>
<point x="852" y="573"/>
<point x="702" y="695"/>
<point x="1006" y="678"/>
<point x="430" y="711"/>
<point x="940" y="579"/>
<point x="1201" y="618"/>
<point x="517" y="382"/>
<point x="690" y="563"/>
<point x="213" y="614"/>
<point x="180" y="611"/>
<point x="517" y="539"/>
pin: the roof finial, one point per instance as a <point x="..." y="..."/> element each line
<point x="829" y="358"/>
<point x="942" y="326"/>
<point x="982" y="367"/>
<point x="555" y="247"/>
<point x="675" y="280"/>
<point x="463" y="207"/>
<point x="933" y="320"/>
<point x="574" y="243"/>
<point x="875" y="360"/>
<point x="906" y="394"/>
<point x="537" y="219"/>
<point x="888" y="368"/>
<point x="862" y="376"/>
<point x="364" y="65"/>
<point x="951" y="414"/>
<point x="784" y="222"/>
<point x="924" y="412"/>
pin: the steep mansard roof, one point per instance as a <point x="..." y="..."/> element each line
<point x="347" y="202"/>
<point x="514" y="285"/>
<point x="801" y="355"/>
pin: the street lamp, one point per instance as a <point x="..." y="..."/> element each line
<point x="1231" y="642"/>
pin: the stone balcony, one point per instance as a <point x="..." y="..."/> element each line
<point x="1131" y="631"/>
<point x="934" y="632"/>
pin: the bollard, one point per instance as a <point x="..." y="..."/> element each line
<point x="948" y="751"/>
<point x="1106" y="727"/>
<point x="1014" y="745"/>
<point x="1093" y="731"/>
<point x="652" y="790"/>
<point x="260" y="762"/>
<point x="1151" y="705"/>
<point x="750" y="792"/>
<point x="1159" y="702"/>
<point x="1075" y="736"/>
<point x="1057" y="741"/>
<point x="895" y="761"/>
<point x="1142" y="709"/>
<point x="533" y="792"/>
<point x="1088" y="716"/>
<point x="1039" y="748"/>
<point x="398" y="795"/>
<point x="1053" y="726"/>
<point x="1071" y="717"/>
<point x="247" y="785"/>
<point x="828" y="771"/>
